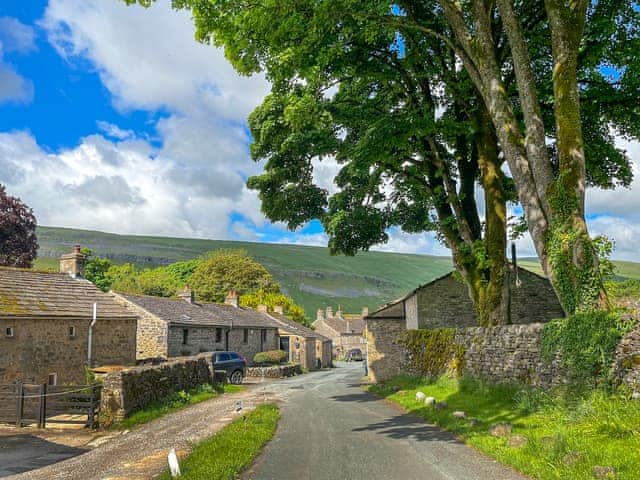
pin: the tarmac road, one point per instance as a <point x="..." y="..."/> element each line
<point x="331" y="429"/>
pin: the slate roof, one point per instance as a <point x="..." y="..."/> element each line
<point x="340" y="325"/>
<point x="297" y="328"/>
<point x="181" y="312"/>
<point x="28" y="293"/>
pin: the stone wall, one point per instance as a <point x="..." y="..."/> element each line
<point x="254" y="343"/>
<point x="445" y="303"/>
<point x="198" y="340"/>
<point x="152" y="332"/>
<point x="508" y="354"/>
<point x="276" y="371"/>
<point x="131" y="389"/>
<point x="41" y="347"/>
<point x="627" y="359"/>
<point x="385" y="356"/>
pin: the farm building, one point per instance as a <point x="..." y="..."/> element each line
<point x="45" y="320"/>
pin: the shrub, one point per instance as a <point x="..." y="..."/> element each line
<point x="271" y="357"/>
<point x="587" y="342"/>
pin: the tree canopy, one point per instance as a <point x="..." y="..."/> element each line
<point x="421" y="103"/>
<point x="18" y="240"/>
<point x="292" y="310"/>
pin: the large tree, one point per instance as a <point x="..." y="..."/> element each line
<point x="18" y="241"/>
<point x="365" y="82"/>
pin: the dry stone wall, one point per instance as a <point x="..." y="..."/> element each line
<point x="276" y="371"/>
<point x="128" y="390"/>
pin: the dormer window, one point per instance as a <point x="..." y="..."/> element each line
<point x="8" y="332"/>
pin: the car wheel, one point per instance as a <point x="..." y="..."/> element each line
<point x="236" y="377"/>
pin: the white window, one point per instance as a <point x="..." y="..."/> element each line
<point x="53" y="379"/>
<point x="72" y="331"/>
<point x="9" y="332"/>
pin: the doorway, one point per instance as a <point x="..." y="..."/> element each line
<point x="284" y="346"/>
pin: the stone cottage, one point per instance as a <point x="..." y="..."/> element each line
<point x="171" y="327"/>
<point x="302" y="344"/>
<point x="445" y="303"/>
<point x="345" y="330"/>
<point x="45" y="320"/>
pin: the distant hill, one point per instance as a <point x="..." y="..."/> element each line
<point x="308" y="274"/>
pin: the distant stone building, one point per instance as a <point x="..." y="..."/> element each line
<point x="303" y="345"/>
<point x="346" y="331"/>
<point x="445" y="303"/>
<point x="45" y="320"/>
<point x="172" y="327"/>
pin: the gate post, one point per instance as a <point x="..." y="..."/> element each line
<point x="43" y="406"/>
<point x="20" y="402"/>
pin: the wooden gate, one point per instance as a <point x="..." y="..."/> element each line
<point x="26" y="404"/>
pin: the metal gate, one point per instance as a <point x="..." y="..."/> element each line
<point x="26" y="404"/>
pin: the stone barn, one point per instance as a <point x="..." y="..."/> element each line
<point x="45" y="320"/>
<point x="445" y="303"/>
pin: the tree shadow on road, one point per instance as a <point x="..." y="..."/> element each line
<point x="409" y="427"/>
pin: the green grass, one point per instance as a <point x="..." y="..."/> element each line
<point x="227" y="453"/>
<point x="176" y="402"/>
<point x="596" y="428"/>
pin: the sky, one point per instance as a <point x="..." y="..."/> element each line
<point x="113" y="118"/>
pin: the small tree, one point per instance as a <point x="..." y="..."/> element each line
<point x="18" y="241"/>
<point x="95" y="270"/>
<point x="224" y="270"/>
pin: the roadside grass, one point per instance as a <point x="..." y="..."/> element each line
<point x="567" y="433"/>
<point x="171" y="404"/>
<point x="232" y="449"/>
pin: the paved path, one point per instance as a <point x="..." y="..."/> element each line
<point x="331" y="429"/>
<point x="142" y="453"/>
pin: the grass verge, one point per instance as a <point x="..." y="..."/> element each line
<point x="176" y="402"/>
<point x="232" y="449"/>
<point x="567" y="435"/>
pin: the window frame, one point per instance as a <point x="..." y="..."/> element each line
<point x="72" y="331"/>
<point x="185" y="336"/>
<point x="218" y="334"/>
<point x="245" y="335"/>
<point x="9" y="332"/>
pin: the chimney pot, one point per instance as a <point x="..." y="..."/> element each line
<point x="73" y="263"/>
<point x="329" y="312"/>
<point x="232" y="298"/>
<point x="187" y="294"/>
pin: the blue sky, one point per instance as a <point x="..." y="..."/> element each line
<point x="113" y="118"/>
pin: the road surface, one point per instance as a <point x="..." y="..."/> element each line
<point x="331" y="429"/>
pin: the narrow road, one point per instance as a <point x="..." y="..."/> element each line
<point x="331" y="429"/>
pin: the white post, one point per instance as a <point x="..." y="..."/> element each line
<point x="174" y="464"/>
<point x="90" y="339"/>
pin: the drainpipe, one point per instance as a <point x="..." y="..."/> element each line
<point x="90" y="339"/>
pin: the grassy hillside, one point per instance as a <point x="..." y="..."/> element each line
<point x="308" y="274"/>
<point x="623" y="270"/>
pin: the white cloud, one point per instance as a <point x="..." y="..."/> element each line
<point x="113" y="131"/>
<point x="15" y="37"/>
<point x="403" y="242"/>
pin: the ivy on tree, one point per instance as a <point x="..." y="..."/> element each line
<point x="18" y="241"/>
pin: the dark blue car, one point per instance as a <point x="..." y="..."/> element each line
<point x="231" y="362"/>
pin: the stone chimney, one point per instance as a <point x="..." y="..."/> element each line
<point x="73" y="263"/>
<point x="365" y="312"/>
<point x="329" y="312"/>
<point x="320" y="315"/>
<point x="278" y="309"/>
<point x="262" y="308"/>
<point x="232" y="298"/>
<point x="187" y="294"/>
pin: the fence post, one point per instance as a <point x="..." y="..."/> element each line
<point x="43" y="406"/>
<point x="20" y="401"/>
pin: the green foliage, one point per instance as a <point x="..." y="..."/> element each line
<point x="433" y="352"/>
<point x="629" y="288"/>
<point x="225" y="270"/>
<point x="271" y="357"/>
<point x="227" y="453"/>
<point x="95" y="270"/>
<point x="587" y="343"/>
<point x="291" y="309"/>
<point x="594" y="428"/>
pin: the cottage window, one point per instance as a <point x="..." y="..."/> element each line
<point x="245" y="335"/>
<point x="264" y="335"/>
<point x="218" y="335"/>
<point x="9" y="332"/>
<point x="185" y="336"/>
<point x="53" y="379"/>
<point x="72" y="331"/>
